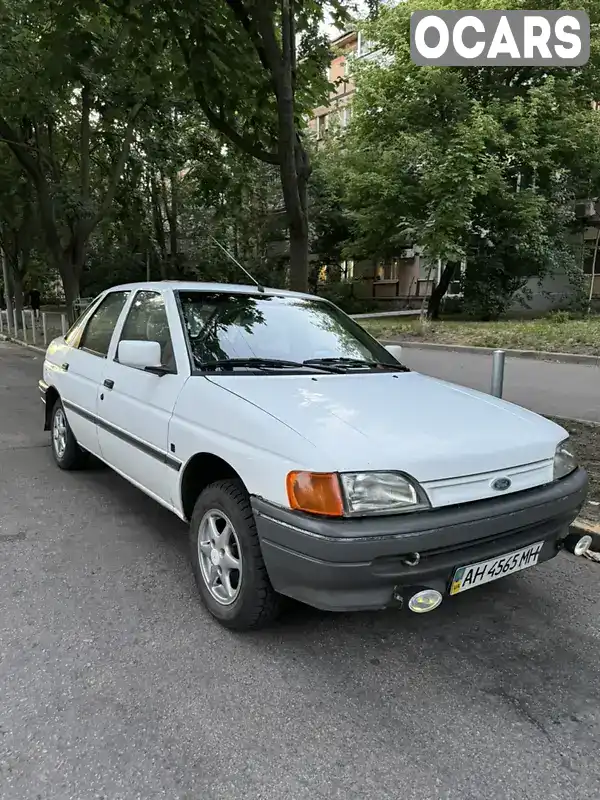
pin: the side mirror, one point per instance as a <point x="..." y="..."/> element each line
<point x="394" y="350"/>
<point x="141" y="355"/>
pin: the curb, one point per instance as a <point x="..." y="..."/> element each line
<point x="5" y="338"/>
<point x="592" y="528"/>
<point x="535" y="355"/>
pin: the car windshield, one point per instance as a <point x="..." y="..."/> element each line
<point x="225" y="326"/>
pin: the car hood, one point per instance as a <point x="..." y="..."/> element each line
<point x="428" y="428"/>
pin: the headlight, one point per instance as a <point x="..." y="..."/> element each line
<point x="381" y="493"/>
<point x="354" y="493"/>
<point x="564" y="460"/>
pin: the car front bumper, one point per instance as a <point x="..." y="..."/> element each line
<point x="354" y="564"/>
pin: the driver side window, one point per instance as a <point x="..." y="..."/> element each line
<point x="147" y="322"/>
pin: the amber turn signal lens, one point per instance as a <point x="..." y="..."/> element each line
<point x="315" y="493"/>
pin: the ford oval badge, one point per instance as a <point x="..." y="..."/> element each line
<point x="501" y="484"/>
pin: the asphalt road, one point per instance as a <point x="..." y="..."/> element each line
<point x="115" y="683"/>
<point x="561" y="390"/>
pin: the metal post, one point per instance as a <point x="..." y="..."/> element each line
<point x="63" y="323"/>
<point x="15" y="326"/>
<point x="33" y="331"/>
<point x="7" y="290"/>
<point x="1" y="321"/>
<point x="24" y="324"/>
<point x="498" y="372"/>
<point x="45" y="328"/>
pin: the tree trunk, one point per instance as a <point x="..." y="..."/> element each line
<point x="70" y="282"/>
<point x="7" y="289"/>
<point x="437" y="295"/>
<point x="17" y="282"/>
<point x="593" y="275"/>
<point x="294" y="165"/>
<point x="159" y="227"/>
<point x="172" y="211"/>
<point x="298" y="260"/>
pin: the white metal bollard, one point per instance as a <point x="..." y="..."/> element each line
<point x="63" y="323"/>
<point x="15" y="326"/>
<point x="498" y="372"/>
<point x="395" y="350"/>
<point x="24" y="324"/>
<point x="1" y="321"/>
<point x="33" y="331"/>
<point x="45" y="328"/>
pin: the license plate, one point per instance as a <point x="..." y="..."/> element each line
<point x="485" y="571"/>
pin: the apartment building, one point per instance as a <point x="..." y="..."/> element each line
<point x="338" y="109"/>
<point x="407" y="278"/>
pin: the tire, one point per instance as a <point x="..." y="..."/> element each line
<point x="67" y="453"/>
<point x="240" y="599"/>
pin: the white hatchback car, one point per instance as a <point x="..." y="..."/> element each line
<point x="307" y="459"/>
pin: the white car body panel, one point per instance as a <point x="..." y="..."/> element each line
<point x="454" y="441"/>
<point x="78" y="384"/>
<point x="376" y="422"/>
<point x="210" y="418"/>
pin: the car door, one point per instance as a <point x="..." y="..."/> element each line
<point x="78" y="366"/>
<point x="135" y="406"/>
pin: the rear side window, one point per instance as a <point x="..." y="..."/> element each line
<point x="101" y="325"/>
<point x="73" y="335"/>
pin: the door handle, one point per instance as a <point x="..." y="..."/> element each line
<point x="64" y="367"/>
<point x="108" y="383"/>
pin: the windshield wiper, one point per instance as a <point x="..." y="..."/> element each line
<point x="265" y="363"/>
<point x="355" y="362"/>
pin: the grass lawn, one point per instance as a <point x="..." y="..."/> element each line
<point x="557" y="334"/>
<point x="586" y="438"/>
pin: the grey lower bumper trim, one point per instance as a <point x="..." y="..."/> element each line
<point x="360" y="563"/>
<point x="442" y="527"/>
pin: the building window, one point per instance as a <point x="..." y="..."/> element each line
<point x="455" y="286"/>
<point x="388" y="270"/>
<point x="321" y="125"/>
<point x="346" y="116"/>
<point x="347" y="273"/>
<point x="588" y="260"/>
<point x="364" y="46"/>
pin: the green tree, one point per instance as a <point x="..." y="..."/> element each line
<point x="74" y="83"/>
<point x="18" y="229"/>
<point x="472" y="163"/>
<point x="257" y="67"/>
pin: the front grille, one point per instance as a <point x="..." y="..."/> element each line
<point x="446" y="558"/>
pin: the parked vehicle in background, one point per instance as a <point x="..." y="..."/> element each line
<point x="306" y="459"/>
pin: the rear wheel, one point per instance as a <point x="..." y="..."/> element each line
<point x="227" y="559"/>
<point x="67" y="453"/>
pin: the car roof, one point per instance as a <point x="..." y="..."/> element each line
<point x="201" y="286"/>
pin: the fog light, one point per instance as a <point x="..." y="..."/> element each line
<point x="427" y="600"/>
<point x="577" y="544"/>
<point x="583" y="545"/>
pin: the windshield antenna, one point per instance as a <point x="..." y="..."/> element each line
<point x="237" y="263"/>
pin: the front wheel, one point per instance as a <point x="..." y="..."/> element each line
<point x="67" y="453"/>
<point x="227" y="560"/>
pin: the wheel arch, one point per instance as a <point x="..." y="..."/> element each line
<point x="200" y="471"/>
<point x="52" y="396"/>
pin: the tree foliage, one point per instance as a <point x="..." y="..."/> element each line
<point x="472" y="163"/>
<point x="141" y="129"/>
